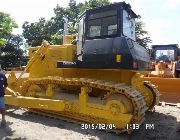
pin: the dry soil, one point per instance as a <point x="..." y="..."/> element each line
<point x="166" y="121"/>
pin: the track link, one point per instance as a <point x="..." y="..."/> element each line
<point x="154" y="92"/>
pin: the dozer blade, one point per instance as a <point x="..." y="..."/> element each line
<point x="169" y="88"/>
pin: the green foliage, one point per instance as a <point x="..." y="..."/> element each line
<point x="52" y="30"/>
<point x="95" y="3"/>
<point x="142" y="36"/>
<point x="56" y="39"/>
<point x="36" y="32"/>
<point x="6" y="26"/>
<point x="11" y="53"/>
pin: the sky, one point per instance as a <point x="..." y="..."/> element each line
<point x="161" y="17"/>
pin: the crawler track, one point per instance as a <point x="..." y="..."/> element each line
<point x="111" y="88"/>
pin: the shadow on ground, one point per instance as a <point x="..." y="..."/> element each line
<point x="165" y="127"/>
<point x="6" y="135"/>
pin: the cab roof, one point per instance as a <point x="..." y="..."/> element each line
<point x="125" y="6"/>
<point x="165" y="47"/>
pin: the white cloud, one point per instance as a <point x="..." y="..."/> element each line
<point x="163" y="31"/>
<point x="156" y="28"/>
<point x="172" y="3"/>
<point x="29" y="10"/>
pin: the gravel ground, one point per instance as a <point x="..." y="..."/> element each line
<point x="166" y="121"/>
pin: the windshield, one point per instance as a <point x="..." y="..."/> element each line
<point x="164" y="55"/>
<point x="102" y="24"/>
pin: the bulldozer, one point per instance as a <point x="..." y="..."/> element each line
<point x="165" y="72"/>
<point x="98" y="81"/>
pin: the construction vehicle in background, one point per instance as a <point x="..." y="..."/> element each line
<point x="166" y="73"/>
<point x="165" y="60"/>
<point x="98" y="81"/>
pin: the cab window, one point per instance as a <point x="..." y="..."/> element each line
<point x="102" y="24"/>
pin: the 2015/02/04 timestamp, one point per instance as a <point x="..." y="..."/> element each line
<point x="98" y="126"/>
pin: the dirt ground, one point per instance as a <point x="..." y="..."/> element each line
<point x="166" y="121"/>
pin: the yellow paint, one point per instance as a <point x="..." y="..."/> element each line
<point x="168" y="87"/>
<point x="38" y="103"/>
<point x="117" y="117"/>
<point x="118" y="58"/>
<point x="69" y="39"/>
<point x="164" y="78"/>
<point x="46" y="57"/>
<point x="41" y="89"/>
<point x="32" y="50"/>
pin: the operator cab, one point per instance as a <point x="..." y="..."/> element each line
<point x="107" y="38"/>
<point x="166" y="53"/>
<point x="115" y="20"/>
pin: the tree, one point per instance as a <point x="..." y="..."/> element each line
<point x="11" y="53"/>
<point x="35" y="32"/>
<point x="94" y="3"/>
<point x="6" y="26"/>
<point x="142" y="36"/>
<point x="52" y="29"/>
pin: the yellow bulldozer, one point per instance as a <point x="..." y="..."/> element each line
<point x="166" y="72"/>
<point x="99" y="81"/>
